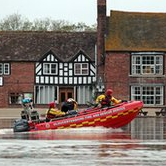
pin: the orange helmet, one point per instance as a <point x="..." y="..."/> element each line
<point x="52" y="105"/>
<point x="109" y="92"/>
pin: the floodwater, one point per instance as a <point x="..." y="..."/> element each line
<point x="141" y="143"/>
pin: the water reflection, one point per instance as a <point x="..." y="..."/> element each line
<point x="150" y="128"/>
<point x="140" y="143"/>
<point x="144" y="128"/>
<point x="92" y="133"/>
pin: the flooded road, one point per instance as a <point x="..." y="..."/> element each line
<point x="142" y="143"/>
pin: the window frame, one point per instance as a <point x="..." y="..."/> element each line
<point x="1" y="81"/>
<point x="4" y="70"/>
<point x="1" y="68"/>
<point x="81" y="68"/>
<point x="16" y="97"/>
<point x="149" y="94"/>
<point x="43" y="94"/>
<point x="140" y="67"/>
<point x="50" y="69"/>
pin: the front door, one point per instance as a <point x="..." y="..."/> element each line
<point x="65" y="93"/>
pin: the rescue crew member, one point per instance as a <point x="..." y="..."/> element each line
<point x="53" y="112"/>
<point x="72" y="104"/>
<point x="69" y="106"/>
<point x="107" y="99"/>
<point x="27" y="104"/>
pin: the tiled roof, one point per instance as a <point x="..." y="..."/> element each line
<point x="136" y="31"/>
<point x="31" y="46"/>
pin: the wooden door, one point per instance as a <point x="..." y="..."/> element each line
<point x="65" y="93"/>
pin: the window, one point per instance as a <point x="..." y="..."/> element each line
<point x="1" y="68"/>
<point x="28" y="95"/>
<point x="1" y="81"/>
<point x="143" y="64"/>
<point x="50" y="68"/>
<point x="15" y="98"/>
<point x="81" y="68"/>
<point x="4" y="69"/>
<point x="84" y="94"/>
<point x="45" y="94"/>
<point x="150" y="95"/>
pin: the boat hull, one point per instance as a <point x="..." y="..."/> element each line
<point x="114" y="117"/>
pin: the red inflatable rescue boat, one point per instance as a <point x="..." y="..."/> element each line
<point x="113" y="117"/>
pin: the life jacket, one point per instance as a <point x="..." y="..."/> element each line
<point x="49" y="115"/>
<point x="106" y="101"/>
<point x="53" y="113"/>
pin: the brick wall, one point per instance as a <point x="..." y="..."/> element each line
<point x="21" y="79"/>
<point x="117" y="70"/>
<point x="118" y="77"/>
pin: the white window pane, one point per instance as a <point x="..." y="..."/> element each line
<point x="6" y="68"/>
<point x="150" y="95"/>
<point x="44" y="94"/>
<point x="84" y="94"/>
<point x="147" y="64"/>
<point x="50" y="68"/>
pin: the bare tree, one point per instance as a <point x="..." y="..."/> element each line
<point x="16" y="22"/>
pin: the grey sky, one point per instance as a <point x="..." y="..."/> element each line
<point x="74" y="10"/>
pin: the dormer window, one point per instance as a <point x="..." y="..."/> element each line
<point x="81" y="68"/>
<point x="50" y="68"/>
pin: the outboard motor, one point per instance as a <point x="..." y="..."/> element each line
<point x="35" y="116"/>
<point x="21" y="125"/>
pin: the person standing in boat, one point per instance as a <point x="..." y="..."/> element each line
<point x="27" y="104"/>
<point x="106" y="100"/>
<point x="53" y="112"/>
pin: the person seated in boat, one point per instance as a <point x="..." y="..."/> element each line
<point x="53" y="112"/>
<point x="106" y="100"/>
<point x="69" y="106"/>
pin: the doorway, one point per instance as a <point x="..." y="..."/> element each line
<point x="65" y="93"/>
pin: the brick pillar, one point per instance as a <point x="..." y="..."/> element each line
<point x="101" y="30"/>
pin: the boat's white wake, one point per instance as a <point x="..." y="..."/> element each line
<point x="6" y="131"/>
<point x="84" y="133"/>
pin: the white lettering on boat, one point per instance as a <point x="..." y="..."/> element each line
<point x="87" y="117"/>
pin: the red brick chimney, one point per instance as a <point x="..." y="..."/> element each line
<point x="101" y="30"/>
